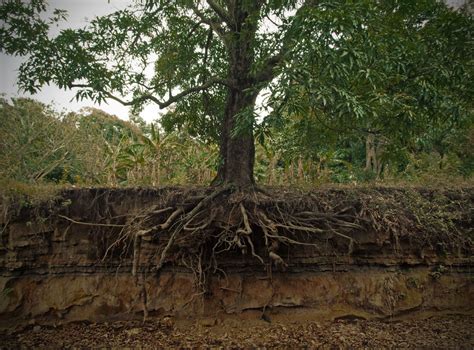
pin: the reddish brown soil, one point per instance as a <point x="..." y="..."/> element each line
<point x="435" y="332"/>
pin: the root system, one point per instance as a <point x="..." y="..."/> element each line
<point x="196" y="228"/>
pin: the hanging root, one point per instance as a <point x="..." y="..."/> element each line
<point x="184" y="221"/>
<point x="137" y="243"/>
<point x="143" y="296"/>
<point x="201" y="228"/>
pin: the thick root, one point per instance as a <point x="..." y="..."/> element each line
<point x="196" y="229"/>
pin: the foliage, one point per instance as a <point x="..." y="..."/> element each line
<point x="95" y="148"/>
<point x="399" y="72"/>
<point x="39" y="145"/>
<point x="385" y="83"/>
<point x="35" y="143"/>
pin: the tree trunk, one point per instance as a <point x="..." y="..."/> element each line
<point x="373" y="153"/>
<point x="237" y="150"/>
<point x="300" y="169"/>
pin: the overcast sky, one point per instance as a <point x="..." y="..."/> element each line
<point x="80" y="12"/>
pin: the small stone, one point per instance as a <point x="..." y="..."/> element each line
<point x="36" y="328"/>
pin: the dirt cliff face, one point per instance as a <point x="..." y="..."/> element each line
<point x="68" y="260"/>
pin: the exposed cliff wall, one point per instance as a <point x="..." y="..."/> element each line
<point x="68" y="259"/>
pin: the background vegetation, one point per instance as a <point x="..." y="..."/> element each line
<point x="93" y="148"/>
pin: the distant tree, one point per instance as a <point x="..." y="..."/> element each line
<point x="35" y="143"/>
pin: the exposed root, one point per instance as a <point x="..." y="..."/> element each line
<point x="137" y="244"/>
<point x="166" y="225"/>
<point x="195" y="229"/>
<point x="246" y="230"/>
<point x="279" y="262"/>
<point x="88" y="223"/>
<point x="201" y="227"/>
<point x="144" y="296"/>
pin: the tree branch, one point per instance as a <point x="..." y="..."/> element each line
<point x="223" y="15"/>
<point x="216" y="26"/>
<point x="148" y="96"/>
<point x="267" y="72"/>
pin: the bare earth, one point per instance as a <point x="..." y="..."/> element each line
<point x="445" y="332"/>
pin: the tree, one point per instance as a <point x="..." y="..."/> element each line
<point x="407" y="71"/>
<point x="212" y="58"/>
<point x="349" y="61"/>
<point x="35" y="144"/>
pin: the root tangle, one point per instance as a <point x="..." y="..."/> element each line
<point x="192" y="231"/>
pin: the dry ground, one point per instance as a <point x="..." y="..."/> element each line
<point x="445" y="332"/>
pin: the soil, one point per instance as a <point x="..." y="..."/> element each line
<point x="450" y="331"/>
<point x="355" y="254"/>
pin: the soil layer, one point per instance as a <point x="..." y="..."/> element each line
<point x="102" y="255"/>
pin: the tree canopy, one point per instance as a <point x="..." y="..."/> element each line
<point x="386" y="68"/>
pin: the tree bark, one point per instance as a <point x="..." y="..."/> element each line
<point x="373" y="152"/>
<point x="238" y="150"/>
<point x="370" y="153"/>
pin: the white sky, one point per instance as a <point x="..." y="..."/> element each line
<point x="79" y="13"/>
